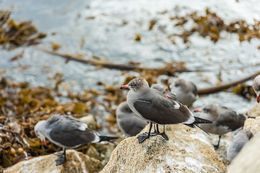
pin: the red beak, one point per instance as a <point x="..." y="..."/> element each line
<point x="196" y="110"/>
<point x="44" y="142"/>
<point x="258" y="98"/>
<point x="124" y="87"/>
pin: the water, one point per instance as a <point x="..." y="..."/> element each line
<point x="111" y="34"/>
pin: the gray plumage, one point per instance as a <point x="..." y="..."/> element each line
<point x="224" y="119"/>
<point x="129" y="123"/>
<point x="153" y="106"/>
<point x="67" y="132"/>
<point x="185" y="91"/>
<point x="241" y="138"/>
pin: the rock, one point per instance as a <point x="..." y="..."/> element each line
<point x="248" y="159"/>
<point x="255" y="111"/>
<point x="188" y="150"/>
<point x="252" y="124"/>
<point x="92" y="152"/>
<point x="90" y="120"/>
<point x="76" y="162"/>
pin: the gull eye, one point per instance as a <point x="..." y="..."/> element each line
<point x="206" y="109"/>
<point x="177" y="85"/>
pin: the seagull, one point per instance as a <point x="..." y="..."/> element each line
<point x="129" y="123"/>
<point x="66" y="132"/>
<point x="256" y="87"/>
<point x="241" y="138"/>
<point x="223" y="119"/>
<point x="155" y="107"/>
<point x="185" y="91"/>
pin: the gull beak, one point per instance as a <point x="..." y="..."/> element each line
<point x="44" y="142"/>
<point x="124" y="87"/>
<point x="258" y="98"/>
<point x="196" y="110"/>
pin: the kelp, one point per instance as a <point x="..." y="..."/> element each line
<point x="211" y="25"/>
<point x="16" y="34"/>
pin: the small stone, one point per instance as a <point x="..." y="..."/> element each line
<point x="90" y="120"/>
<point x="92" y="152"/>
<point x="20" y="150"/>
<point x="12" y="151"/>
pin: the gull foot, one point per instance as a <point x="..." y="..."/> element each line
<point x="164" y="136"/>
<point x="142" y="137"/>
<point x="216" y="147"/>
<point x="59" y="154"/>
<point x="61" y="160"/>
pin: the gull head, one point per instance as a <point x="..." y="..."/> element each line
<point x="38" y="129"/>
<point x="136" y="84"/>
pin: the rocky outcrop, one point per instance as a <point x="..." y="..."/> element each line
<point x="248" y="159"/>
<point x="76" y="162"/>
<point x="188" y="150"/>
<point x="255" y="111"/>
<point x="252" y="124"/>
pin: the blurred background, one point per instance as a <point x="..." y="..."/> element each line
<point x="210" y="43"/>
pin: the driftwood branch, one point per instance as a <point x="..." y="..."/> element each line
<point x="110" y="65"/>
<point x="215" y="89"/>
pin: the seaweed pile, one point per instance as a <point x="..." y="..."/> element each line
<point x="14" y="34"/>
<point x="211" y="25"/>
<point x="22" y="106"/>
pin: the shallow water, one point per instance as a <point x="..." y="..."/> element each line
<point x="111" y="34"/>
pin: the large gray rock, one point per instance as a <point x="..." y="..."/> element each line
<point x="76" y="162"/>
<point x="247" y="161"/>
<point x="252" y="124"/>
<point x="188" y="150"/>
<point x="254" y="111"/>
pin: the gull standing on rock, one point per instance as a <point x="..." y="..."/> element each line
<point x="223" y="119"/>
<point x="67" y="132"/>
<point x="156" y="108"/>
<point x="256" y="87"/>
<point x="130" y="123"/>
<point x="185" y="91"/>
<point x="241" y="138"/>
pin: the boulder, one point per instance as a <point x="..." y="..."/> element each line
<point x="252" y="124"/>
<point x="187" y="150"/>
<point x="76" y="162"/>
<point x="248" y="159"/>
<point x="255" y="111"/>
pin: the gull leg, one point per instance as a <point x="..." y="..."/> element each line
<point x="142" y="137"/>
<point x="156" y="130"/>
<point x="217" y="146"/>
<point x="62" y="158"/>
<point x="163" y="134"/>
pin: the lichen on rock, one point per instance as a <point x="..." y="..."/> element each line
<point x="188" y="150"/>
<point x="76" y="162"/>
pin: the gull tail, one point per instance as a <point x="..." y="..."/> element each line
<point x="201" y="121"/>
<point x="107" y="138"/>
